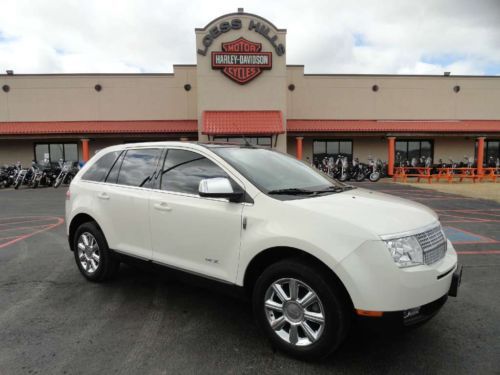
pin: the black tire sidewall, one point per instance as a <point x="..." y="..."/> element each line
<point x="334" y="305"/>
<point x="107" y="263"/>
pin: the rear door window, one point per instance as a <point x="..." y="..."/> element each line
<point x="113" y="173"/>
<point x="138" y="167"/>
<point x="183" y="170"/>
<point x="99" y="170"/>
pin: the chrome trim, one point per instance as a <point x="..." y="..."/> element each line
<point x="409" y="233"/>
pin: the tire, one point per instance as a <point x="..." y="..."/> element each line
<point x="35" y="183"/>
<point x="333" y="306"/>
<point x="360" y="176"/>
<point x="106" y="266"/>
<point x="374" y="176"/>
<point x="18" y="183"/>
<point x="343" y="177"/>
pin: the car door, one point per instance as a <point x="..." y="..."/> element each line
<point x="124" y="202"/>
<point x="197" y="234"/>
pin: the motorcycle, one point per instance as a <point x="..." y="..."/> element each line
<point x="356" y="172"/>
<point x="372" y="172"/>
<point x="8" y="175"/>
<point x="68" y="171"/>
<point x="341" y="168"/>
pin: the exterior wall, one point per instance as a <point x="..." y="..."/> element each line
<point x="398" y="97"/>
<point x="12" y="151"/>
<point x="123" y="97"/>
<point x="265" y="92"/>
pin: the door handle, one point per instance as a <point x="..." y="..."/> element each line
<point x="162" y="206"/>
<point x="104" y="196"/>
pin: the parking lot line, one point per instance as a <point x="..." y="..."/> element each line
<point x="58" y="222"/>
<point x="478" y="252"/>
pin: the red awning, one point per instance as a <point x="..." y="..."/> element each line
<point x="99" y="127"/>
<point x="373" y="126"/>
<point x="242" y="122"/>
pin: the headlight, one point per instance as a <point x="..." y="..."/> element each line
<point x="405" y="251"/>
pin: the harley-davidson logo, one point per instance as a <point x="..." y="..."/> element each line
<point x="242" y="60"/>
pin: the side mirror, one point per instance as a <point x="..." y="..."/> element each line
<point x="219" y="187"/>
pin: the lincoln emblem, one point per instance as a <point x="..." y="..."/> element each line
<point x="242" y="60"/>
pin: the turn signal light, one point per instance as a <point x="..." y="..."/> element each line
<point x="68" y="195"/>
<point x="373" y="314"/>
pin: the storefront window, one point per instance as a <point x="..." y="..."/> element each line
<point x="258" y="141"/>
<point x="491" y="152"/>
<point x="331" y="148"/>
<point x="409" y="149"/>
<point x="56" y="152"/>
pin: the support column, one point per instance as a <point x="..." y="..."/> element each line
<point x="480" y="154"/>
<point x="390" y="155"/>
<point x="298" y="141"/>
<point x="85" y="150"/>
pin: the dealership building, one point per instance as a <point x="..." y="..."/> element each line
<point x="241" y="87"/>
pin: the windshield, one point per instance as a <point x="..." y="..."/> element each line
<point x="275" y="173"/>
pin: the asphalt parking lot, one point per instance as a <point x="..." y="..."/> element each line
<point x="52" y="321"/>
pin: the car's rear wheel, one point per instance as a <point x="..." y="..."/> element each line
<point x="93" y="257"/>
<point x="300" y="309"/>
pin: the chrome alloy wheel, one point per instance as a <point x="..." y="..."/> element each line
<point x="294" y="311"/>
<point x="88" y="252"/>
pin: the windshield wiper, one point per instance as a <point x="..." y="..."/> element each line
<point x="291" y="191"/>
<point x="335" y="189"/>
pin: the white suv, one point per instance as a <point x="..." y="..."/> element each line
<point x="312" y="253"/>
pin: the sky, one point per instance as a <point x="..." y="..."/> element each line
<point x="335" y="36"/>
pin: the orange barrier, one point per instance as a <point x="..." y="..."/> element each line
<point x="489" y="174"/>
<point x="418" y="172"/>
<point x="444" y="173"/>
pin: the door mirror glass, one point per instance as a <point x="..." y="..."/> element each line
<point x="219" y="187"/>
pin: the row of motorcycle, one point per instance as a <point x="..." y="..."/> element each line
<point x="467" y="162"/>
<point x="341" y="169"/>
<point x="45" y="173"/>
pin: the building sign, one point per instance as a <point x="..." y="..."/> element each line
<point x="236" y="24"/>
<point x="242" y="60"/>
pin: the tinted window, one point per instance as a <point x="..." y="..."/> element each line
<point x="183" y="171"/>
<point x="56" y="152"/>
<point x="70" y="152"/>
<point x="99" y="170"/>
<point x="138" y="167"/>
<point x="41" y="151"/>
<point x="113" y="174"/>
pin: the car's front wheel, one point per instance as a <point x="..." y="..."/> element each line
<point x="93" y="257"/>
<point x="300" y="309"/>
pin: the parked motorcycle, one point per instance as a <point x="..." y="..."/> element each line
<point x="68" y="170"/>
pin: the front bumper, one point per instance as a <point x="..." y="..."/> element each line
<point x="419" y="314"/>
<point x="375" y="283"/>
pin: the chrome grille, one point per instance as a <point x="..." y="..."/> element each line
<point x="433" y="244"/>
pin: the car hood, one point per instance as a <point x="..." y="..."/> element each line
<point x="377" y="213"/>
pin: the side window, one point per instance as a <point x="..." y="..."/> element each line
<point x="183" y="171"/>
<point x="113" y="173"/>
<point x="99" y="170"/>
<point x="138" y="167"/>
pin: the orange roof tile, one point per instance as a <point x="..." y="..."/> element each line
<point x="417" y="126"/>
<point x="98" y="127"/>
<point x="242" y="122"/>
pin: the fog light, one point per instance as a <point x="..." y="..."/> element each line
<point x="407" y="314"/>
